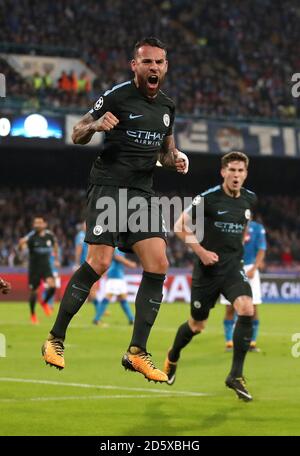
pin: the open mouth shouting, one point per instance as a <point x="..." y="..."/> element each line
<point x="152" y="82"/>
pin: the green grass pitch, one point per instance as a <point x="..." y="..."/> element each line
<point x="94" y="395"/>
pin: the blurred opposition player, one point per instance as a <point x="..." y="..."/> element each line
<point x="81" y="247"/>
<point x="116" y="286"/>
<point x="81" y="250"/>
<point x="40" y="242"/>
<point x="5" y="286"/>
<point x="218" y="266"/>
<point x="254" y="253"/>
<point x="55" y="264"/>
<point x="137" y="119"/>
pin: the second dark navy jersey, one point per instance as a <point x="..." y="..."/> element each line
<point x="225" y="221"/>
<point x="130" y="151"/>
<point x="40" y="247"/>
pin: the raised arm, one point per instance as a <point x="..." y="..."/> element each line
<point x="168" y="152"/>
<point x="84" y="130"/>
<point x="170" y="157"/>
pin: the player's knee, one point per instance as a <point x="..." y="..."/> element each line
<point x="99" y="264"/>
<point x="196" y="326"/>
<point x="158" y="265"/>
<point x="162" y="265"/>
<point x="249" y="310"/>
<point x="244" y="306"/>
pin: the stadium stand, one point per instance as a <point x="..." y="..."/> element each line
<point x="216" y="67"/>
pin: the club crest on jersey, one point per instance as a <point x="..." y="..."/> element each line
<point x="97" y="230"/>
<point x="99" y="103"/>
<point x="166" y="119"/>
<point x="196" y="200"/>
<point x="48" y="243"/>
<point x="247" y="214"/>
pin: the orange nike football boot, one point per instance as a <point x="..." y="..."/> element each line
<point x="138" y="360"/>
<point x="53" y="352"/>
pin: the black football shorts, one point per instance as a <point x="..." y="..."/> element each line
<point x="38" y="272"/>
<point x="120" y="217"/>
<point x="207" y="287"/>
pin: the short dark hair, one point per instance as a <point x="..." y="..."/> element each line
<point x="149" y="41"/>
<point x="234" y="156"/>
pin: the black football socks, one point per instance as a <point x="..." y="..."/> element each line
<point x="183" y="337"/>
<point x="147" y="304"/>
<point x="241" y="342"/>
<point x="75" y="295"/>
<point x="32" y="301"/>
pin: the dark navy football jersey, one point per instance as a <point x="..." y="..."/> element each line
<point x="40" y="247"/>
<point x="130" y="151"/>
<point x="225" y="221"/>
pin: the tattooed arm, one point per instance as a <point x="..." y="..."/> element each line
<point x="170" y="157"/>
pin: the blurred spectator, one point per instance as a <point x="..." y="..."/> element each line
<point x="64" y="82"/>
<point x="37" y="81"/>
<point x="286" y="256"/>
<point x="47" y="80"/>
<point x="84" y="83"/>
<point x="226" y="58"/>
<point x="73" y="81"/>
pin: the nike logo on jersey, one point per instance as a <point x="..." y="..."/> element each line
<point x="132" y="116"/>
<point x="222" y="212"/>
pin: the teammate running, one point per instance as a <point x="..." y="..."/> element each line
<point x="40" y="243"/>
<point x="218" y="266"/>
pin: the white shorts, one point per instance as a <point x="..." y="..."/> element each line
<point x="57" y="280"/>
<point x="115" y="287"/>
<point x="255" y="287"/>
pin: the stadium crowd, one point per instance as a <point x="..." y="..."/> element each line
<point x="64" y="209"/>
<point x="226" y="58"/>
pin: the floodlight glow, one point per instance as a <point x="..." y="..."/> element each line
<point x="36" y="125"/>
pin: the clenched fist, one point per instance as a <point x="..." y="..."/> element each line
<point x="181" y="162"/>
<point x="106" y="123"/>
